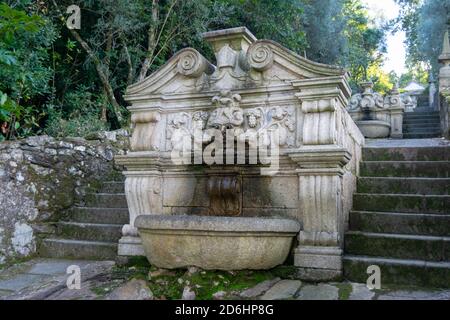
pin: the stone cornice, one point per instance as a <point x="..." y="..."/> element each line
<point x="321" y="157"/>
<point x="281" y="94"/>
<point x="323" y="88"/>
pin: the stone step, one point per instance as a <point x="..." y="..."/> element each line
<point x="400" y="223"/>
<point x="420" y="136"/>
<point x="76" y="249"/>
<point x="398" y="246"/>
<point x="423" y="108"/>
<point x="404" y="185"/>
<point x="420" y="121"/>
<point x="418" y="116"/>
<point x="439" y="204"/>
<point x="99" y="215"/>
<point x="106" y="200"/>
<point x="422" y="112"/>
<point x="431" y="169"/>
<point x="89" y="231"/>
<point x="399" y="271"/>
<point x="420" y="130"/>
<point x="112" y="187"/>
<point x="406" y="154"/>
<point x="421" y="125"/>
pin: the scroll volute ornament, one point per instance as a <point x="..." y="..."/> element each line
<point x="144" y="137"/>
<point x="192" y="64"/>
<point x="260" y="56"/>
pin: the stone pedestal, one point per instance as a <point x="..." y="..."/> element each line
<point x="143" y="193"/>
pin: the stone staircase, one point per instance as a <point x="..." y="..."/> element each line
<point x="401" y="217"/>
<point x="92" y="229"/>
<point x="423" y="122"/>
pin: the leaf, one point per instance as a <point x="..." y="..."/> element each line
<point x="3" y="97"/>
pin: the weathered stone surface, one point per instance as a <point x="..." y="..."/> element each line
<point x="318" y="292"/>
<point x="210" y="242"/>
<point x="284" y="289"/>
<point x="361" y="292"/>
<point x="259" y="289"/>
<point x="42" y="177"/>
<point x="219" y="295"/>
<point x="188" y="294"/>
<point x="46" y="279"/>
<point x="20" y="282"/>
<point x="414" y="295"/>
<point x="132" y="290"/>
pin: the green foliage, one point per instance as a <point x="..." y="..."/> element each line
<point x="25" y="73"/>
<point x="78" y="125"/>
<point x="425" y="22"/>
<point x="44" y="64"/>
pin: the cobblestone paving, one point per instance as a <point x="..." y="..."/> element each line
<point x="47" y="279"/>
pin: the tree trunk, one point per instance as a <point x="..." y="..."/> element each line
<point x="102" y="75"/>
<point x="151" y="40"/>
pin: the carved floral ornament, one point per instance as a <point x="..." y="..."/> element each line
<point x="246" y="124"/>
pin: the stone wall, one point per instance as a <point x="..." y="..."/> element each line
<point x="41" y="177"/>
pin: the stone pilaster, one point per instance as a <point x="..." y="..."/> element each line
<point x="143" y="191"/>
<point x="396" y="110"/>
<point x="319" y="254"/>
<point x="321" y="161"/>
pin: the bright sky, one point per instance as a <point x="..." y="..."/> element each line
<point x="396" y="54"/>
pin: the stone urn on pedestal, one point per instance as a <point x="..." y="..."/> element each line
<point x="377" y="116"/>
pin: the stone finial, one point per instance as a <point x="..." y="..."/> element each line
<point x="395" y="90"/>
<point x="445" y="56"/>
<point x="229" y="44"/>
<point x="367" y="87"/>
<point x="238" y="39"/>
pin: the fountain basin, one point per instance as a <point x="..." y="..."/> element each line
<point x="211" y="242"/>
<point x="374" y="128"/>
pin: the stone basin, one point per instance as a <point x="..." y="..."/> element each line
<point x="374" y="128"/>
<point x="212" y="242"/>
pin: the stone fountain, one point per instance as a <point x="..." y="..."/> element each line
<point x="378" y="116"/>
<point x="237" y="164"/>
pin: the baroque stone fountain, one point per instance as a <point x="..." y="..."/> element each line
<point x="375" y="115"/>
<point x="232" y="162"/>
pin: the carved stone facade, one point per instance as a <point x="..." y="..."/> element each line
<point x="256" y="88"/>
<point x="378" y="116"/>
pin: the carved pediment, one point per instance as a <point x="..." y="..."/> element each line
<point x="242" y="62"/>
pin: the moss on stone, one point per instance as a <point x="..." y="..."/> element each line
<point x="170" y="285"/>
<point x="345" y="290"/>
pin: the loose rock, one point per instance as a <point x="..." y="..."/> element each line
<point x="283" y="289"/>
<point x="188" y="294"/>
<point x="132" y="290"/>
<point x="259" y="289"/>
